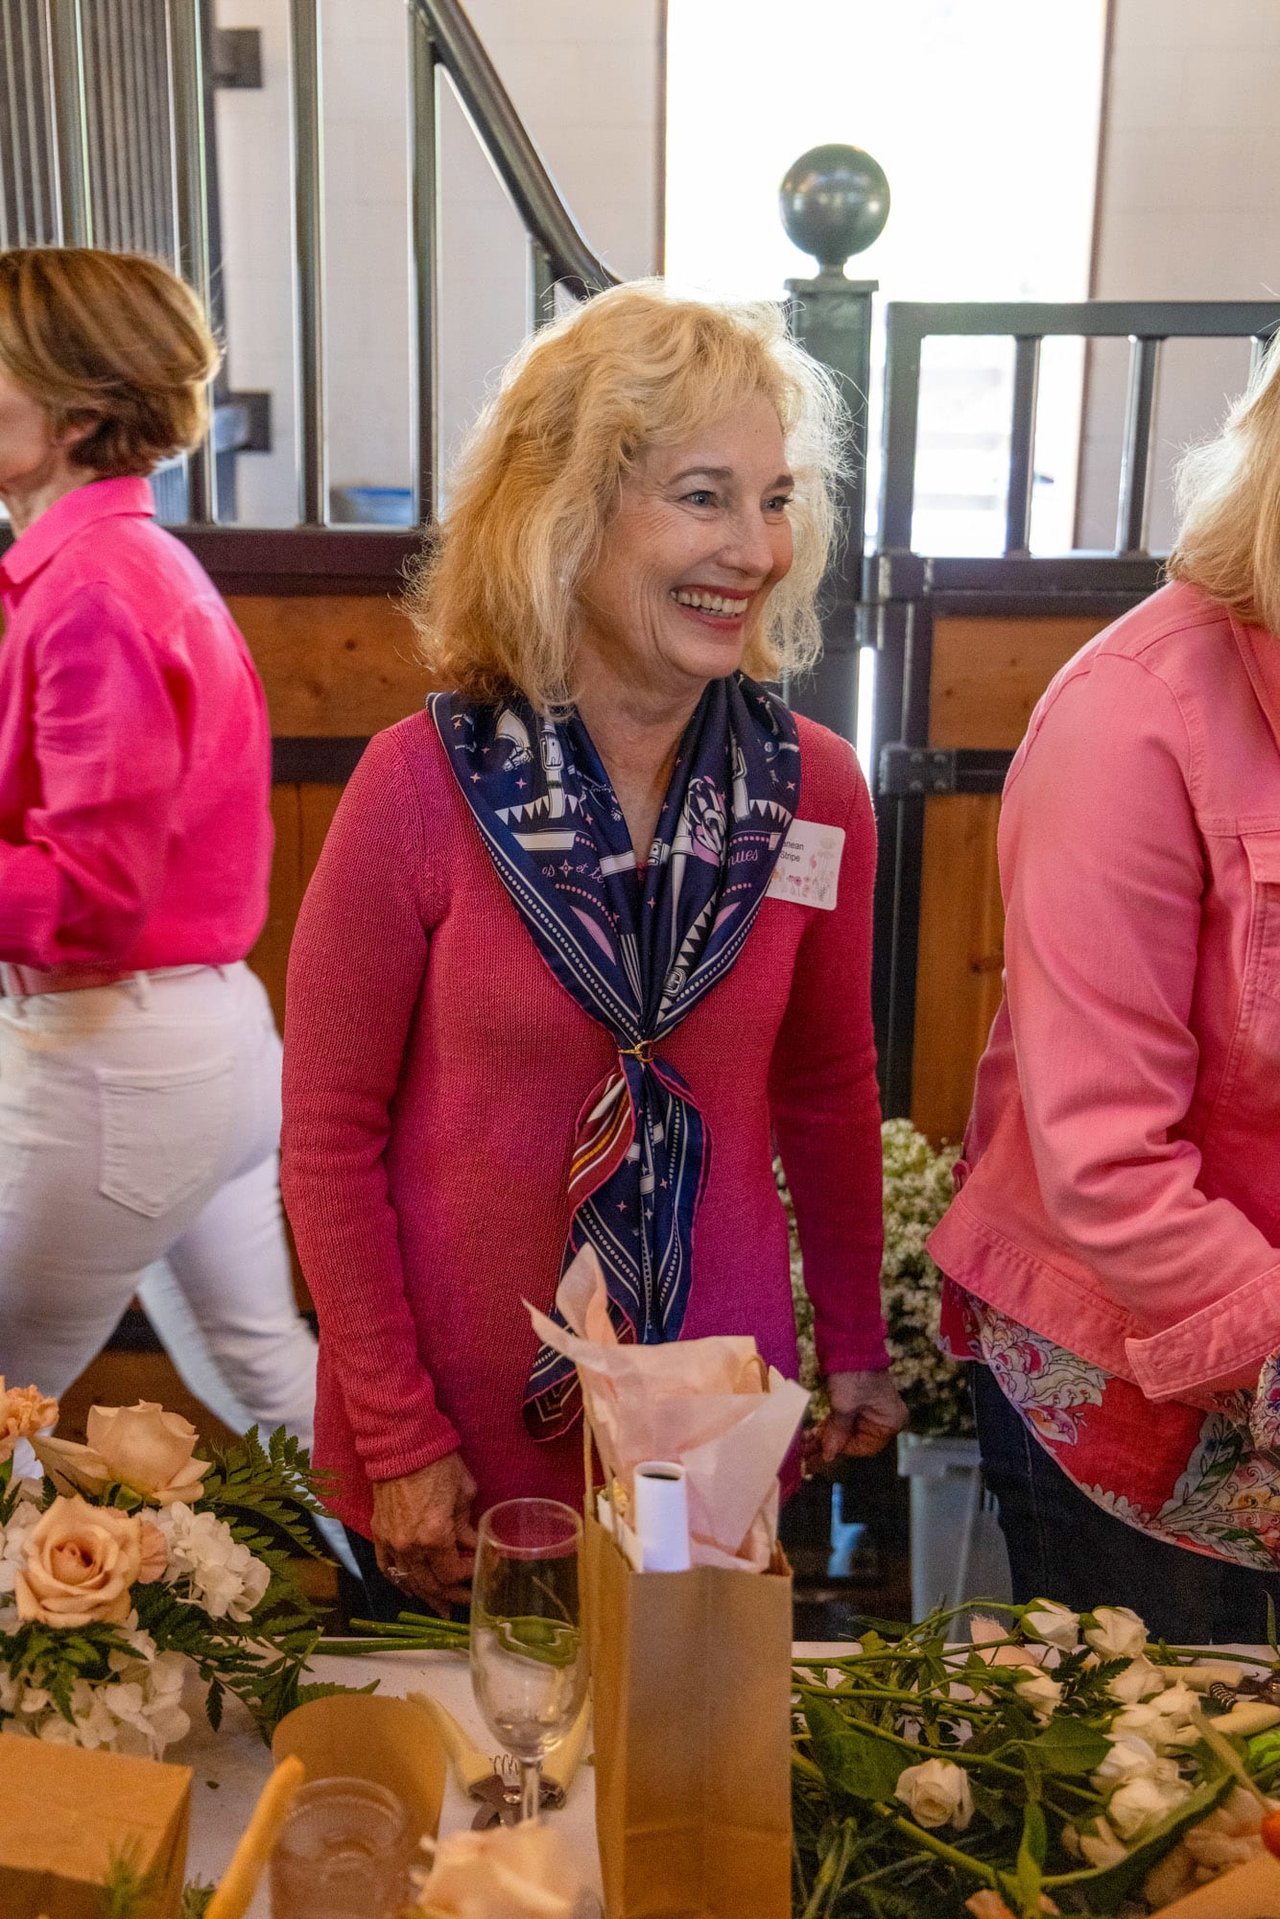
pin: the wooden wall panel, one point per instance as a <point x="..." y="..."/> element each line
<point x="987" y="676"/>
<point x="301" y="815"/>
<point x="333" y="666"/>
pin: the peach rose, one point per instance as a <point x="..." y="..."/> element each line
<point x="155" y="1554"/>
<point x="79" y="1564"/>
<point x="23" y="1411"/>
<point x="142" y="1447"/>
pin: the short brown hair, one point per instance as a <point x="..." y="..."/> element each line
<point x="111" y="337"/>
<point x="495" y="597"/>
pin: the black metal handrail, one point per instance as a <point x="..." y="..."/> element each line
<point x="537" y="199"/>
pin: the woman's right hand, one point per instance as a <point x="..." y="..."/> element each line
<point x="422" y="1532"/>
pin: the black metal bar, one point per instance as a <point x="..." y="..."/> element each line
<point x="1088" y="319"/>
<point x="14" y="168"/>
<point x="35" y="121"/>
<point x="191" y="152"/>
<point x="65" y="33"/>
<point x="900" y="424"/>
<point x="904" y="649"/>
<point x="1022" y="444"/>
<point x="299" y="761"/>
<point x="1135" y="459"/>
<point x="515" y="158"/>
<point x="831" y="316"/>
<point x="911" y="576"/>
<point x="904" y="771"/>
<point x="542" y="285"/>
<point x="424" y="134"/>
<point x="308" y="197"/>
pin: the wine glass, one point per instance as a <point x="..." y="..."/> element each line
<point x="528" y="1661"/>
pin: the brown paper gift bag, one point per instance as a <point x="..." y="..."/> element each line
<point x="65" y="1814"/>
<point x="691" y="1696"/>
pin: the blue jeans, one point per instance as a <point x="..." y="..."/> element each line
<point x="1064" y="1547"/>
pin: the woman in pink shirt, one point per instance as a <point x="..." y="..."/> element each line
<point x="1114" y="1246"/>
<point x="586" y="935"/>
<point x="139" y="1066"/>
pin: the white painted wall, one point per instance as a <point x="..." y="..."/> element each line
<point x="584" y="76"/>
<point x="1187" y="210"/>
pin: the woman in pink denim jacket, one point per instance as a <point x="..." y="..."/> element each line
<point x="1113" y="1252"/>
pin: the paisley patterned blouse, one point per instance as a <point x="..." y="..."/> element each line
<point x="1205" y="1479"/>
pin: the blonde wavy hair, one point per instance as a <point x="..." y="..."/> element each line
<point x="112" y="340"/>
<point x="494" y="597"/>
<point x="1229" y="502"/>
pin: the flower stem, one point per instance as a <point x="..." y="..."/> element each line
<point x="962" y="1861"/>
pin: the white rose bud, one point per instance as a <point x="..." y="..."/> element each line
<point x="1139" y="1680"/>
<point x="1140" y="1804"/>
<point x="936" y="1794"/>
<point x="1130" y="1758"/>
<point x="1116" y="1633"/>
<point x="1056" y="1625"/>
<point x="1040" y="1692"/>
<point x="1099" y="1845"/>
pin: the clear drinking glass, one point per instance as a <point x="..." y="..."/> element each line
<point x="343" y="1854"/>
<point x="528" y="1662"/>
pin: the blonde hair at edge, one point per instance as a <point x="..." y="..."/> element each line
<point x="1229" y="501"/>
<point x="539" y="480"/>
<point x="114" y="338"/>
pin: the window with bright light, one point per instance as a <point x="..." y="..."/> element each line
<point x="984" y="115"/>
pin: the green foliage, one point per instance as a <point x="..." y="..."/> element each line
<point x="250" y="1483"/>
<point x="900" y="1697"/>
<point x="917" y="1191"/>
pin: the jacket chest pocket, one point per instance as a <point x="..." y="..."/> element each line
<point x="1250" y="1090"/>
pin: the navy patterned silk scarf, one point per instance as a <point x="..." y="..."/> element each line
<point x="637" y="951"/>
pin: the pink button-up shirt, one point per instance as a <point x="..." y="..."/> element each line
<point x="1121" y="1178"/>
<point x="135" y="751"/>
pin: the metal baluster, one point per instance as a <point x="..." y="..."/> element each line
<point x="1257" y="352"/>
<point x="64" y="33"/>
<point x="1022" y="445"/>
<point x="164" y="188"/>
<point x="39" y="117"/>
<point x="1135" y="462"/>
<point x="14" y="170"/>
<point x="424" y="137"/>
<point x="308" y="198"/>
<point x="899" y="429"/>
<point x="190" y="145"/>
<point x="542" y="285"/>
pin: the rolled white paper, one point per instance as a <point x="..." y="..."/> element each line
<point x="662" y="1516"/>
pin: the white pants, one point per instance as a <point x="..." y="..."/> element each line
<point x="139" y="1138"/>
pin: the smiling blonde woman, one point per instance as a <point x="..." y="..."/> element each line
<point x="588" y="935"/>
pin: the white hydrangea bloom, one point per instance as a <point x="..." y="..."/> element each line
<point x="137" y="1711"/>
<point x="13" y="1537"/>
<point x="208" y="1564"/>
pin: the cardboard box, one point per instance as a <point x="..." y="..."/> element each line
<point x="1249" y="1892"/>
<point x="65" y="1815"/>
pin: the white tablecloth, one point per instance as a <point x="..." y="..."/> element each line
<point x="230" y="1766"/>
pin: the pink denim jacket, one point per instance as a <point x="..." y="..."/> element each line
<point x="1120" y="1188"/>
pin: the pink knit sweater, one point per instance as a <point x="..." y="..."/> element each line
<point x="434" y="1070"/>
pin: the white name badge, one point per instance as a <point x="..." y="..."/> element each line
<point x="808" y="868"/>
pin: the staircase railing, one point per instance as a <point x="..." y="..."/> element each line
<point x="107" y="138"/>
